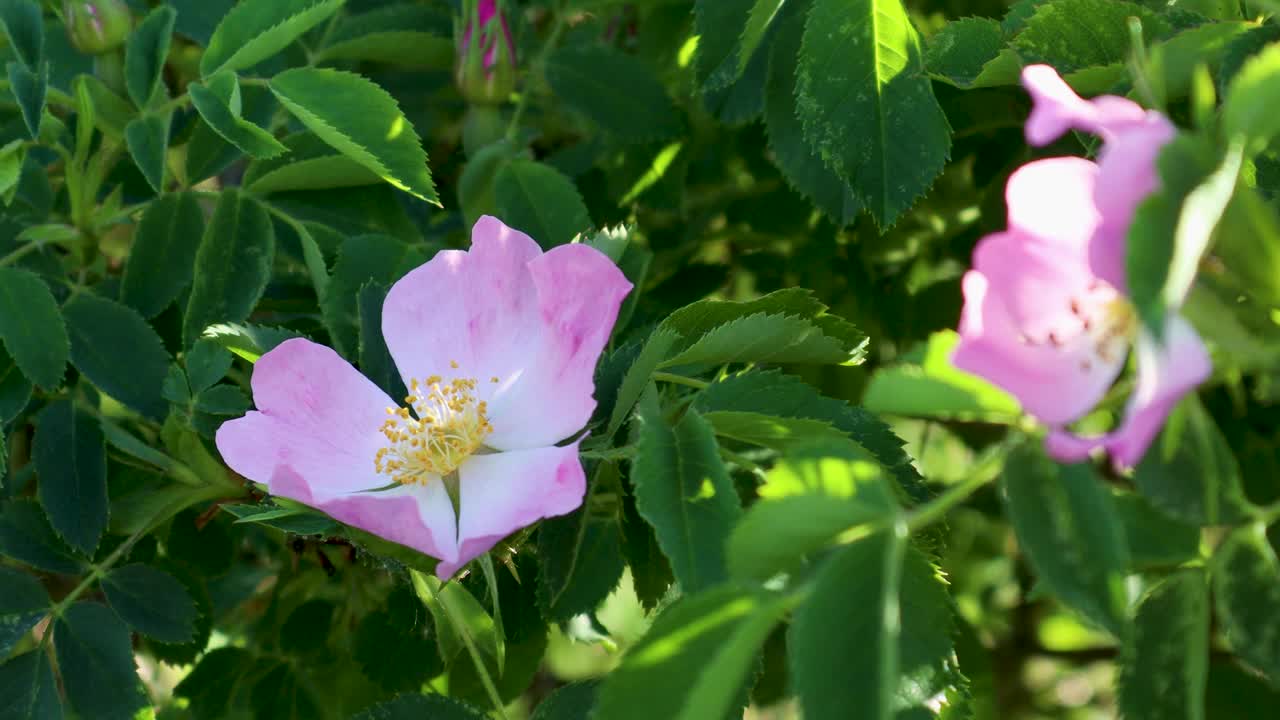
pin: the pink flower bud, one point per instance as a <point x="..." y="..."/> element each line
<point x="486" y="54"/>
<point x="97" y="26"/>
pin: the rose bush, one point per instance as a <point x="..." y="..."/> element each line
<point x="608" y="360"/>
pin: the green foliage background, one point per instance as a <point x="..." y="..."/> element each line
<point x="795" y="504"/>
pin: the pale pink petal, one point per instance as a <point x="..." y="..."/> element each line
<point x="1127" y="174"/>
<point x="1056" y="381"/>
<point x="316" y="414"/>
<point x="1053" y="200"/>
<point x="474" y="308"/>
<point x="1057" y="108"/>
<point x="417" y="516"/>
<point x="1166" y="372"/>
<point x="503" y="492"/>
<point x="535" y="321"/>
<point x="579" y="291"/>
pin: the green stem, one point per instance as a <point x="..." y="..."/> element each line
<point x="424" y="591"/>
<point x="937" y="508"/>
<point x="536" y="66"/>
<point x="182" y="100"/>
<point x="19" y="253"/>
<point x="681" y="380"/>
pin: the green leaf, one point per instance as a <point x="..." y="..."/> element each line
<point x="26" y="536"/>
<point x="364" y="258"/>
<point x="812" y="495"/>
<point x="218" y="683"/>
<point x="96" y="660"/>
<point x="800" y="164"/>
<point x="777" y="433"/>
<point x="28" y="690"/>
<point x="962" y="49"/>
<point x="1248" y="111"/>
<point x="208" y="154"/>
<point x="396" y="656"/>
<point x="118" y="351"/>
<point x="206" y="362"/>
<point x="1173" y="63"/>
<point x="873" y="632"/>
<point x="24" y="27"/>
<point x="417" y="707"/>
<point x="541" y="202"/>
<point x="935" y="388"/>
<point x="1165" y="663"/>
<point x="12" y="156"/>
<point x="111" y="113"/>
<point x="15" y="389"/>
<point x="1248" y="244"/>
<point x="29" y="88"/>
<point x="287" y="519"/>
<point x="400" y="34"/>
<point x="248" y="341"/>
<point x="146" y="52"/>
<point x="375" y="359"/>
<point x="763" y="13"/>
<point x="310" y="164"/>
<point x="1190" y="471"/>
<point x="684" y="491"/>
<point x="783" y="326"/>
<point x="719" y="25"/>
<point x="877" y="123"/>
<point x="1154" y="539"/>
<point x="574" y="701"/>
<point x="152" y="601"/>
<point x="1246" y="591"/>
<point x="1241" y="49"/>
<point x="281" y="693"/>
<point x="1192" y="198"/>
<point x="700" y="651"/>
<point x="1075" y="35"/>
<point x="360" y="120"/>
<point x="306" y="631"/>
<point x="255" y="30"/>
<point x="32" y="328"/>
<point x="232" y="265"/>
<point x="162" y="259"/>
<point x="148" y="140"/>
<point x="580" y="554"/>
<point x="23" y="603"/>
<point x="1069" y="530"/>
<point x="618" y="92"/>
<point x="224" y="119"/>
<point x="71" y="457"/>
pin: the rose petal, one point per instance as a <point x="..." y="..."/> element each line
<point x="1053" y="200"/>
<point x="1054" y="383"/>
<point x="537" y="322"/>
<point x="1127" y="174"/>
<point x="503" y="492"/>
<point x="316" y="414"/>
<point x="416" y="516"/>
<point x="1166" y="372"/>
<point x="579" y="291"/>
<point x="1057" y="108"/>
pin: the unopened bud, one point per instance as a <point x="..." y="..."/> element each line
<point x="486" y="69"/>
<point x="97" y="26"/>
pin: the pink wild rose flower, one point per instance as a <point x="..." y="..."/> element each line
<point x="498" y="347"/>
<point x="1046" y="313"/>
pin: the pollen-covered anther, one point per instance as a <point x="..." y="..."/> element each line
<point x="447" y="425"/>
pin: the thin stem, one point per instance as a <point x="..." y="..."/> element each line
<point x="937" y="508"/>
<point x="181" y="101"/>
<point x="681" y="380"/>
<point x="425" y="592"/>
<point x="19" y="253"/>
<point x="536" y="66"/>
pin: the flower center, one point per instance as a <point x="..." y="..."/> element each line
<point x="1101" y="326"/>
<point x="448" y="425"/>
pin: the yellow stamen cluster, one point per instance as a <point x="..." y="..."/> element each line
<point x="447" y="425"/>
